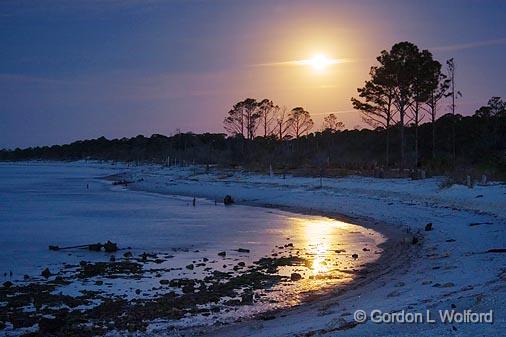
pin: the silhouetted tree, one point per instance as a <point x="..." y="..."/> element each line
<point x="282" y="121"/>
<point x="300" y="121"/>
<point x="266" y="110"/>
<point x="377" y="108"/>
<point x="425" y="82"/>
<point x="331" y="123"/>
<point x="243" y="119"/>
<point x="400" y="65"/>
<point x="439" y="92"/>
<point x="453" y="94"/>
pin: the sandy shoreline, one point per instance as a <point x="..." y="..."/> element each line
<point x="447" y="271"/>
<point x="398" y="253"/>
<point x="453" y="266"/>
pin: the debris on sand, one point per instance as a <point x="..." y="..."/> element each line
<point x="295" y="277"/>
<point x="46" y="273"/>
<point x="109" y="247"/>
<point x="228" y="200"/>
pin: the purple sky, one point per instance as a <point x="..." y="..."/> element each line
<point x="82" y="69"/>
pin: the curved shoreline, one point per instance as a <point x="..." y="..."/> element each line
<point x="397" y="255"/>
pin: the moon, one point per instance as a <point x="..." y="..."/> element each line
<point x="320" y="62"/>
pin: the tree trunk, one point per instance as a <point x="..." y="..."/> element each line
<point x="387" y="151"/>
<point x="433" y="135"/>
<point x="401" y="121"/>
<point x="416" y="134"/>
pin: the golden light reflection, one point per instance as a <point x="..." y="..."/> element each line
<point x="319" y="235"/>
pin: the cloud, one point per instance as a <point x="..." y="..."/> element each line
<point x="470" y="45"/>
<point x="301" y="62"/>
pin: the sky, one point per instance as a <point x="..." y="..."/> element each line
<point x="78" y="69"/>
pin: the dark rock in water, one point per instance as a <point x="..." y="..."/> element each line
<point x="99" y="282"/>
<point x="243" y="250"/>
<point x="428" y="227"/>
<point x="127" y="254"/>
<point x="295" y="277"/>
<point x="228" y="200"/>
<point x="366" y="249"/>
<point x="497" y="250"/>
<point x="355" y="256"/>
<point x="46" y="273"/>
<point x="241" y="264"/>
<point x="223" y="254"/>
<point x="7" y="284"/>
<point x="188" y="288"/>
<point x="164" y="282"/>
<point x="205" y="259"/>
<point x="137" y="291"/>
<point x="50" y="325"/>
<point x="247" y="298"/>
<point x="190" y="267"/>
<point x="110" y="247"/>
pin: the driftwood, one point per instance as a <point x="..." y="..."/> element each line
<point x="497" y="250"/>
<point x="108" y="247"/>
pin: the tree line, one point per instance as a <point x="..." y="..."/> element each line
<point x="404" y="101"/>
<point x="250" y="118"/>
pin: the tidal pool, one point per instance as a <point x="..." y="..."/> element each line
<point x="205" y="249"/>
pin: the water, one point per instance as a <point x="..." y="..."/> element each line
<point x="67" y="204"/>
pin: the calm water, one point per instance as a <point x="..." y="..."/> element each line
<point x="66" y="204"/>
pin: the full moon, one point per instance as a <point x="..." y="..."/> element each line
<point x="319" y="62"/>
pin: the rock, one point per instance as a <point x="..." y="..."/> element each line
<point x="428" y="227"/>
<point x="137" y="291"/>
<point x="7" y="284"/>
<point x="243" y="250"/>
<point x="366" y="249"/>
<point x="99" y="282"/>
<point x="295" y="277"/>
<point x="46" y="273"/>
<point x="247" y="298"/>
<point x="222" y="254"/>
<point x="241" y="264"/>
<point x="164" y="282"/>
<point x="110" y="247"/>
<point x="355" y="256"/>
<point x="50" y="325"/>
<point x="127" y="254"/>
<point x="190" y="267"/>
<point x="228" y="200"/>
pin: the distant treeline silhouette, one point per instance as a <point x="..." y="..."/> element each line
<point x="405" y="87"/>
<point x="480" y="139"/>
